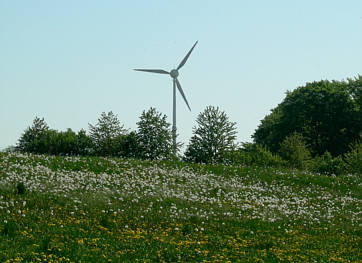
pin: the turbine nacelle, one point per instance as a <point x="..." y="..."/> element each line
<point x="174" y="73"/>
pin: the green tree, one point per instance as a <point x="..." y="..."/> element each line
<point x="34" y="137"/>
<point x="105" y="133"/>
<point x="129" y="145"/>
<point x="213" y="138"/>
<point x="83" y="144"/>
<point x="62" y="143"/>
<point x="154" y="136"/>
<point x="294" y="150"/>
<point x="326" y="113"/>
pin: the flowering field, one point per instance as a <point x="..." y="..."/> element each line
<point x="78" y="209"/>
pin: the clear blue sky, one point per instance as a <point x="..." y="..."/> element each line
<point x="68" y="61"/>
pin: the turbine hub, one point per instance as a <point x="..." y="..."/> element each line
<point x="174" y="73"/>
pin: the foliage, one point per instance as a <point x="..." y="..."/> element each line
<point x="213" y="138"/>
<point x="154" y="136"/>
<point x="353" y="159"/>
<point x="252" y="154"/>
<point x="62" y="143"/>
<point x="105" y="133"/>
<point x="328" y="165"/>
<point x="41" y="140"/>
<point x="327" y="115"/>
<point x="83" y="143"/>
<point x="294" y="150"/>
<point x="128" y="145"/>
<point x="33" y="139"/>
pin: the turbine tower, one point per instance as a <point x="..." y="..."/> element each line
<point x="174" y="73"/>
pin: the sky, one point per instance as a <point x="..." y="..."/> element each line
<point x="69" y="61"/>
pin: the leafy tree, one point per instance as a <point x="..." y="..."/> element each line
<point x="213" y="138"/>
<point x="34" y="137"/>
<point x="62" y="143"/>
<point x="327" y="114"/>
<point x="154" y="136"/>
<point x="83" y="143"/>
<point x="295" y="151"/>
<point x="129" y="145"/>
<point x="104" y="134"/>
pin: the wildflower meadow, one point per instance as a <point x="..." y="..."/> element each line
<point x="95" y="209"/>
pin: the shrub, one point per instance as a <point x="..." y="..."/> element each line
<point x="328" y="165"/>
<point x="83" y="144"/>
<point x="294" y="150"/>
<point x="353" y="159"/>
<point x="255" y="154"/>
<point x="128" y="146"/>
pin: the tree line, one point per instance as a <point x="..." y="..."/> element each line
<point x="317" y="126"/>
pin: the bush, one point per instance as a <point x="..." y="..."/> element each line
<point x="255" y="155"/>
<point x="294" y="150"/>
<point x="353" y="159"/>
<point x="328" y="165"/>
<point x="61" y="143"/>
<point x="128" y="146"/>
<point x="84" y="143"/>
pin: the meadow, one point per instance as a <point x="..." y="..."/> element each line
<point x="92" y="209"/>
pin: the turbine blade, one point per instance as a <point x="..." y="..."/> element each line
<point x="182" y="93"/>
<point x="186" y="57"/>
<point x="160" y="71"/>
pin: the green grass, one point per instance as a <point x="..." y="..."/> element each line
<point x="87" y="209"/>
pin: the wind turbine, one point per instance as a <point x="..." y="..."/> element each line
<point x="174" y="74"/>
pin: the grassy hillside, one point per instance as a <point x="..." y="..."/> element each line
<point x="77" y="209"/>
